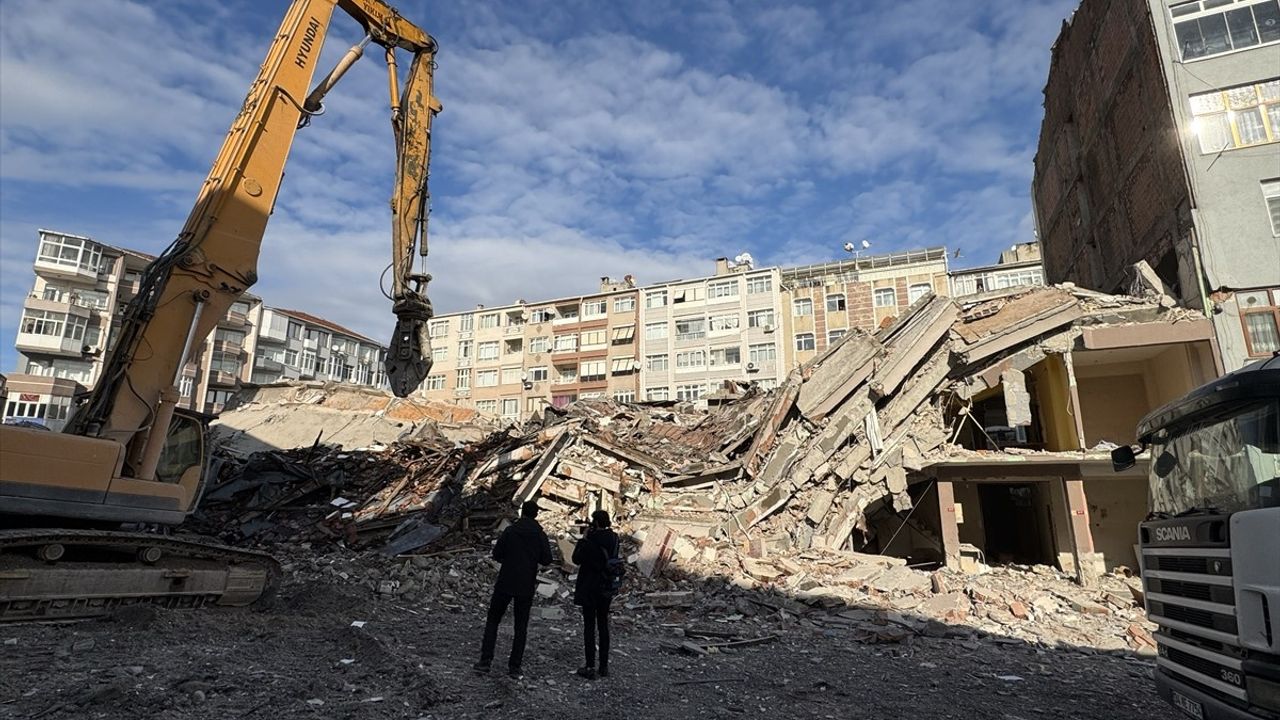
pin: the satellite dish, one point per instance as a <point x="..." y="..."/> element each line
<point x="866" y="244"/>
<point x="848" y="247"/>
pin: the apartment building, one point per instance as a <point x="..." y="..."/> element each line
<point x="71" y="317"/>
<point x="1017" y="266"/>
<point x="824" y="301"/>
<point x="295" y="345"/>
<point x="512" y="360"/>
<point x="1161" y="142"/>
<point x="695" y="334"/>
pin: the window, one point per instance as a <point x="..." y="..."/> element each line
<point x="688" y="393"/>
<point x="510" y="407"/>
<point x="567" y="312"/>
<point x="687" y="295"/>
<point x="538" y="374"/>
<point x="801" y="306"/>
<point x="186" y="386"/>
<point x="624" y="335"/>
<point x="539" y="344"/>
<point x="691" y="328"/>
<point x="591" y="396"/>
<point x="655" y="299"/>
<point x="464" y="349"/>
<point x="595" y="308"/>
<point x="594" y="338"/>
<point x="487" y="350"/>
<point x="655" y="331"/>
<point x="486" y="378"/>
<point x="722" y="289"/>
<point x="623" y="365"/>
<point x="625" y="396"/>
<point x="43" y="322"/>
<point x="1237" y="117"/>
<point x="513" y="346"/>
<point x="488" y="321"/>
<point x="691" y="359"/>
<point x="625" y="304"/>
<point x="760" y="318"/>
<point x="835" y="303"/>
<point x="833" y="336"/>
<point x="534" y="404"/>
<point x="511" y="375"/>
<point x="1271" y="196"/>
<point x="560" y="401"/>
<point x="759" y="284"/>
<point x="566" y="343"/>
<point x="723" y="323"/>
<point x="438" y="328"/>
<point x="435" y="382"/>
<point x="1261" y="320"/>
<point x="656" y="363"/>
<point x="885" y="297"/>
<point x="1213" y="27"/>
<point x="591" y="371"/>
<point x="295" y="330"/>
<point x="804" y="341"/>
<point x="1016" y="278"/>
<point x="319" y="336"/>
<point x="657" y="393"/>
<point x="487" y="406"/>
<point x="71" y="252"/>
<point x="466" y="323"/>
<point x="515" y="318"/>
<point x="917" y="291"/>
<point x="462" y="379"/>
<point x="566" y="373"/>
<point x="25" y="409"/>
<point x="721" y="357"/>
<point x="763" y="354"/>
<point x="308" y="364"/>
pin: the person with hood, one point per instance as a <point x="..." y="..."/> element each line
<point x="520" y="549"/>
<point x="594" y="590"/>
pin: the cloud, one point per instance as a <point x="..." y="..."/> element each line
<point x="578" y="139"/>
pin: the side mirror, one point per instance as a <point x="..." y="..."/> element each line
<point x="1122" y="458"/>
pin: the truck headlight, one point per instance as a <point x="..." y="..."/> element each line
<point x="1263" y="693"/>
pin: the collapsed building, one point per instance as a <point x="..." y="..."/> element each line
<point x="964" y="432"/>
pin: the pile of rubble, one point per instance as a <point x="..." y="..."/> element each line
<point x="766" y="490"/>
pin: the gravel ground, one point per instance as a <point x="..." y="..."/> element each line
<point x="299" y="656"/>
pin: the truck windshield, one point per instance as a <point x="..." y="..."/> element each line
<point x="1228" y="463"/>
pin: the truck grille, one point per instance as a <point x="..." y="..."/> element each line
<point x="1189" y="595"/>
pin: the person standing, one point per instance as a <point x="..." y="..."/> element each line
<point x="520" y="549"/>
<point x="594" y="590"/>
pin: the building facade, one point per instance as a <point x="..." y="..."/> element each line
<point x="823" y="302"/>
<point x="1018" y="266"/>
<point x="71" y="317"/>
<point x="1161" y="142"/>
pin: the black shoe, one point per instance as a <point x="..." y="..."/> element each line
<point x="604" y="672"/>
<point x="514" y="673"/>
<point x="587" y="672"/>
<point x="481" y="667"/>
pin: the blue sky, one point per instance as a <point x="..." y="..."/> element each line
<point x="579" y="139"/>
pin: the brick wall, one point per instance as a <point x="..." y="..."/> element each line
<point x="1109" y="184"/>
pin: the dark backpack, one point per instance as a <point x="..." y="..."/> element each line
<point x="615" y="569"/>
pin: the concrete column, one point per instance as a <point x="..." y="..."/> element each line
<point x="950" y="528"/>
<point x="1081" y="535"/>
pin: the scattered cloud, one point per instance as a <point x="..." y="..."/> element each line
<point x="578" y="139"/>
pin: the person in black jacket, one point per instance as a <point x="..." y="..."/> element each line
<point x="592" y="592"/>
<point x="521" y="548"/>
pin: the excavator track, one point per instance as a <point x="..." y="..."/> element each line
<point x="68" y="574"/>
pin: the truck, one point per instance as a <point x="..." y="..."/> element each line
<point x="1209" y="549"/>
<point x="87" y="514"/>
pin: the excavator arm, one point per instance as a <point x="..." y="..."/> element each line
<point x="188" y="289"/>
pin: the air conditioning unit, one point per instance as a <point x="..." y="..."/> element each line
<point x="768" y="328"/>
<point x="528" y="385"/>
<point x="751" y="367"/>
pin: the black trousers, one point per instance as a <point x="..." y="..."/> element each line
<point x="595" y="618"/>
<point x="497" y="608"/>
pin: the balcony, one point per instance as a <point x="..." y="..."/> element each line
<point x="266" y="363"/>
<point x="49" y="344"/>
<point x="222" y="378"/>
<point x="310" y="344"/>
<point x="271" y="334"/>
<point x="231" y="347"/>
<point x="234" y="319"/>
<point x="78" y="272"/>
<point x="66" y="307"/>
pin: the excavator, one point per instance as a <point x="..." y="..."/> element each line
<point x="86" y="514"/>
